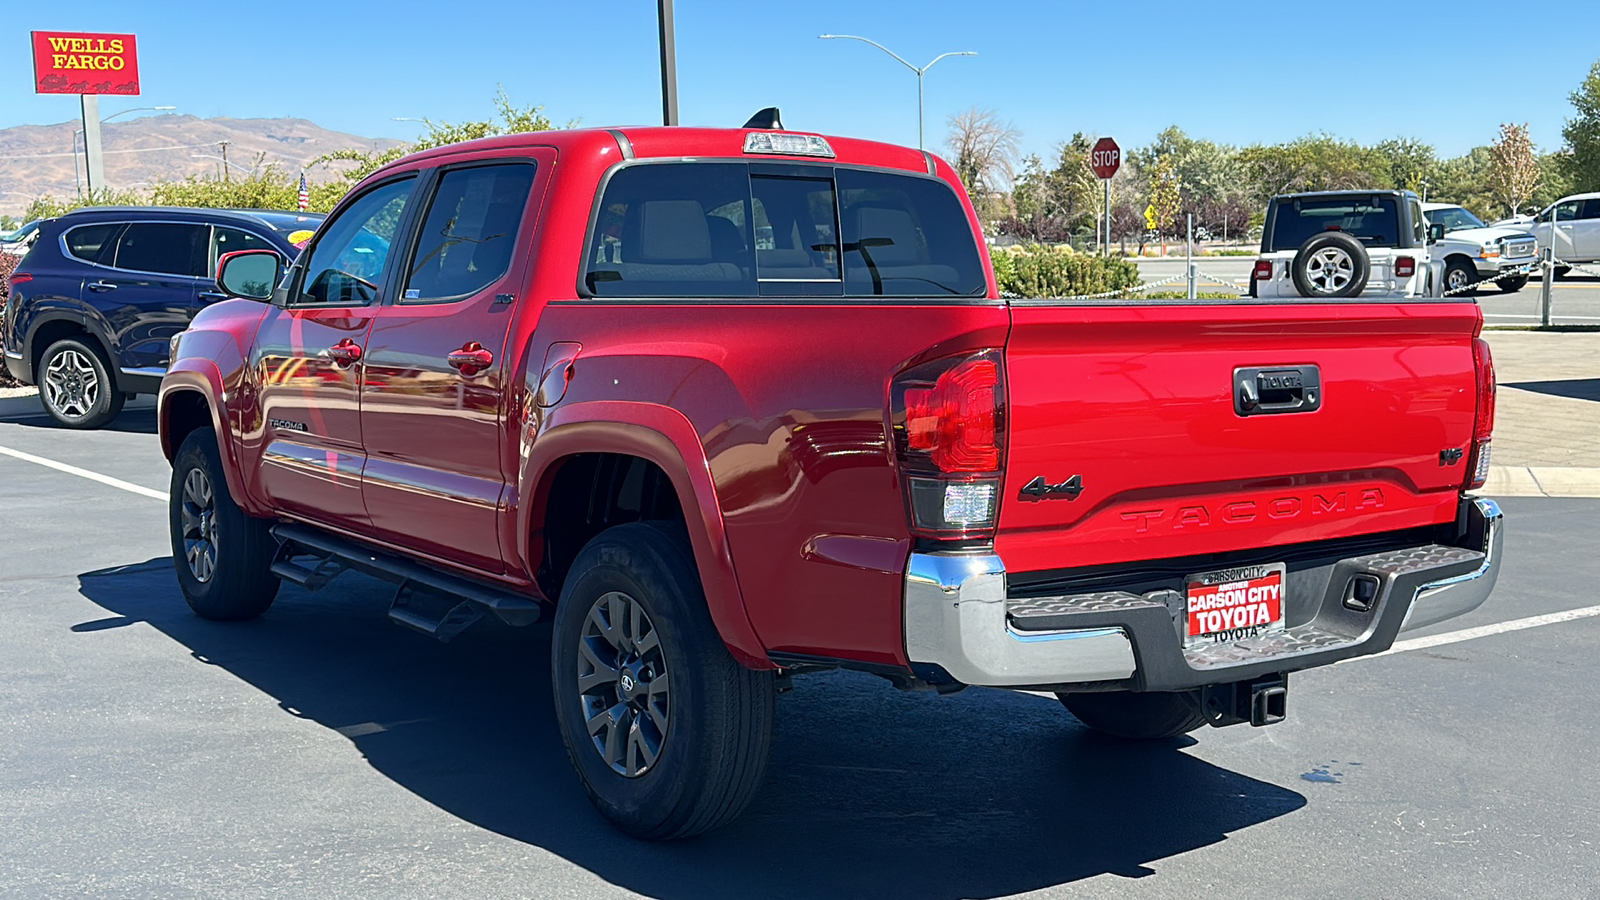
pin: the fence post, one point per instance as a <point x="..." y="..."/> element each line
<point x="1549" y="279"/>
<point x="1189" y="256"/>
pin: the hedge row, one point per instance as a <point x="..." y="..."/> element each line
<point x="1038" y="270"/>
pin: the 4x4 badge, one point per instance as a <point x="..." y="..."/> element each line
<point x="1039" y="489"/>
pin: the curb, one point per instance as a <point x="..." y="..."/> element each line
<point x="1542" y="481"/>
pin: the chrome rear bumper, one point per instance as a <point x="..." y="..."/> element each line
<point x="961" y="626"/>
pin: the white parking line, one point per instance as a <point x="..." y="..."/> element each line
<point x="85" y="473"/>
<point x="1467" y="634"/>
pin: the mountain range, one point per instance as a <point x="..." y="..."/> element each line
<point x="38" y="160"/>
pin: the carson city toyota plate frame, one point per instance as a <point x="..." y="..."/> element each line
<point x="1227" y="605"/>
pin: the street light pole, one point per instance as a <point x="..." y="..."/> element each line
<point x="920" y="72"/>
<point x="669" y="65"/>
<point x="92" y="150"/>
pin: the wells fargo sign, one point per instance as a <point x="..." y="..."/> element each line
<point x="75" y="63"/>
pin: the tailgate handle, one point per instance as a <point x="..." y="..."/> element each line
<point x="1272" y="390"/>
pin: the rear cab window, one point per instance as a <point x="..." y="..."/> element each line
<point x="1372" y="219"/>
<point x="736" y="229"/>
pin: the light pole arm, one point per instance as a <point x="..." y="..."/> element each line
<point x="854" y="37"/>
<point x="942" y="56"/>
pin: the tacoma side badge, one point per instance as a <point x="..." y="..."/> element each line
<point x="1039" y="489"/>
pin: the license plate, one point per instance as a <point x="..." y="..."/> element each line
<point x="1234" y="604"/>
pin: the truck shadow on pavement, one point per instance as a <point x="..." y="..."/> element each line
<point x="871" y="792"/>
<point x="1574" y="388"/>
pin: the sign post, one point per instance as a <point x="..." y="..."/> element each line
<point x="1105" y="158"/>
<point x="87" y="65"/>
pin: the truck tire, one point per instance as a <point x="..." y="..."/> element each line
<point x="1331" y="265"/>
<point x="1512" y="285"/>
<point x="76" y="386"/>
<point x="223" y="557"/>
<point x="660" y="759"/>
<point x="1561" y="271"/>
<point x="1135" y="716"/>
<point x="1457" y="275"/>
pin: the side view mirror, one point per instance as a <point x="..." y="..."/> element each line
<point x="250" y="274"/>
<point x="1435" y="233"/>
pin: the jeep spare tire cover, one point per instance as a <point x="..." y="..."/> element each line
<point x="1331" y="264"/>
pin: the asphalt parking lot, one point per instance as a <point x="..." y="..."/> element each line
<point x="1574" y="300"/>
<point x="323" y="752"/>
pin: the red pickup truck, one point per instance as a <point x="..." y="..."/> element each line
<point x="729" y="405"/>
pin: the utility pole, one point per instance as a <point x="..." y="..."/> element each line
<point x="91" y="144"/>
<point x="224" y="146"/>
<point x="669" y="66"/>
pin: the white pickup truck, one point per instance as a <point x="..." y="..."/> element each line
<point x="1473" y="251"/>
<point x="1335" y="244"/>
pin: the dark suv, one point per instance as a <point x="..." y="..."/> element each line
<point x="99" y="296"/>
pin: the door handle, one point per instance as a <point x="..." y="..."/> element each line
<point x="346" y="352"/>
<point x="212" y="295"/>
<point x="100" y="287"/>
<point x="1277" y="389"/>
<point x="471" y="359"/>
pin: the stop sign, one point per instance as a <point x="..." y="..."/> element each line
<point x="1106" y="158"/>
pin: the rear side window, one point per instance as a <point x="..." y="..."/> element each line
<point x="93" y="243"/>
<point x="164" y="248"/>
<point x="471" y="230"/>
<point x="1375" y="220"/>
<point x="906" y="236"/>
<point x="673" y="230"/>
<point x="723" y="230"/>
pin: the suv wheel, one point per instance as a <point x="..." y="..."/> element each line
<point x="668" y="733"/>
<point x="75" y="385"/>
<point x="1146" y="716"/>
<point x="1331" y="264"/>
<point x="223" y="557"/>
<point x="1458" y="275"/>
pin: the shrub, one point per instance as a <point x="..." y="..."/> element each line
<point x="1035" y="270"/>
<point x="8" y="264"/>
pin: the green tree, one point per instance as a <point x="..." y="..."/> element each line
<point x="1582" y="134"/>
<point x="1313" y="163"/>
<point x="1407" y="162"/>
<point x="1166" y="200"/>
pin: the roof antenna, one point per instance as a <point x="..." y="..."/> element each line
<point x="767" y="119"/>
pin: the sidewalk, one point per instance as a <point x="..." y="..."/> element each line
<point x="1547" y="414"/>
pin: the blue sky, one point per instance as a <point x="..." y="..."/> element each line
<point x="1446" y="72"/>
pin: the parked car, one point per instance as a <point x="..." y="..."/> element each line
<point x="17" y="242"/>
<point x="1574" y="224"/>
<point x="735" y="405"/>
<point x="1473" y="251"/>
<point x="95" y="303"/>
<point x="1338" y="244"/>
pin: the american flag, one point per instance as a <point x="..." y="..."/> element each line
<point x="305" y="194"/>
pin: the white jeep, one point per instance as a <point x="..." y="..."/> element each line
<point x="1473" y="251"/>
<point x="1339" y="244"/>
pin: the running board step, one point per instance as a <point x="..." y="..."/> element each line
<point x="415" y="581"/>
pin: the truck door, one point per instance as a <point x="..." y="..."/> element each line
<point x="433" y="397"/>
<point x="308" y="357"/>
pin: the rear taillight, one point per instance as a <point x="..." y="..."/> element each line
<point x="1405" y="267"/>
<point x="1263" y="270"/>
<point x="1483" y="420"/>
<point x="949" y="430"/>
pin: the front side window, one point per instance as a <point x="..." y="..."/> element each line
<point x="346" y="263"/>
<point x="906" y="237"/>
<point x="1566" y="212"/>
<point x="93" y="243"/>
<point x="1454" y="218"/>
<point x="673" y="230"/>
<point x="470" y="231"/>
<point x="164" y="248"/>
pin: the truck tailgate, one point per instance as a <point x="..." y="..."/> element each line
<point x="1138" y="404"/>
